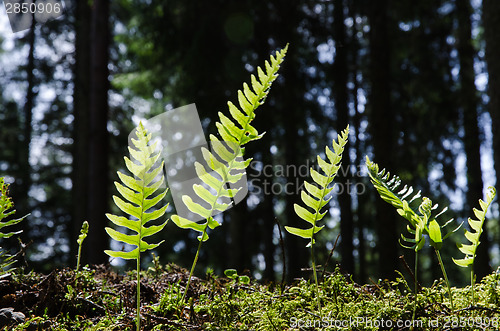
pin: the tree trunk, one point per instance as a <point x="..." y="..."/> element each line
<point x="472" y="144"/>
<point x="81" y="107"/>
<point x="382" y="128"/>
<point x="19" y="190"/>
<point x="491" y="13"/>
<point x="98" y="138"/>
<point x="359" y="215"/>
<point x="340" y="79"/>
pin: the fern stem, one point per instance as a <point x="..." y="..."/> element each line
<point x="315" y="278"/>
<point x="78" y="257"/>
<point x="416" y="290"/>
<point x="194" y="264"/>
<point x="445" y="278"/>
<point x="224" y="183"/>
<point x="472" y="282"/>
<point x="138" y="291"/>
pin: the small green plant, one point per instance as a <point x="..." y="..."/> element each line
<point x="83" y="234"/>
<point x="419" y="224"/>
<point x="476" y="226"/>
<point x="157" y="269"/>
<point x="233" y="274"/>
<point x="315" y="197"/>
<point x="225" y="163"/>
<point x="6" y="205"/>
<point x="137" y="191"/>
<point x="169" y="303"/>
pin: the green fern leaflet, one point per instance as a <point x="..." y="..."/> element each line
<point x="314" y="196"/>
<point x="138" y="191"/>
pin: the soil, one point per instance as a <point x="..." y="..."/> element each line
<point x="93" y="290"/>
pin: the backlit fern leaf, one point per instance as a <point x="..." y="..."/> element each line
<point x="137" y="192"/>
<point x="225" y="164"/>
<point x="6" y="205"/>
<point x="420" y="224"/>
<point x="476" y="226"/>
<point x="314" y="196"/>
<point x="387" y="188"/>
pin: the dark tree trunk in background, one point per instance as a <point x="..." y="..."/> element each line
<point x="340" y="80"/>
<point x="98" y="137"/>
<point x="240" y="232"/>
<point x="358" y="217"/>
<point x="491" y="17"/>
<point x="295" y="246"/>
<point x="81" y="129"/>
<point x="292" y="115"/>
<point x="267" y="235"/>
<point x="21" y="194"/>
<point x="469" y="104"/>
<point x="19" y="190"/>
<point x="382" y="128"/>
<point x="358" y="159"/>
<point x="266" y="121"/>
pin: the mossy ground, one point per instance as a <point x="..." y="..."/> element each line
<point x="99" y="299"/>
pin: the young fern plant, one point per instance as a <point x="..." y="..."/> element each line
<point x="477" y="226"/>
<point x="225" y="164"/>
<point x="6" y="206"/>
<point x="138" y="191"/>
<point x="84" y="231"/>
<point x="419" y="225"/>
<point x="315" y="197"/>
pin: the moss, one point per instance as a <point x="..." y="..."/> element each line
<point x="99" y="299"/>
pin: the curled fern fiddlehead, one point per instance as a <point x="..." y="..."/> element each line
<point x="138" y="191"/>
<point x="225" y="165"/>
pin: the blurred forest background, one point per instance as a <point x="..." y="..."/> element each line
<point x="417" y="81"/>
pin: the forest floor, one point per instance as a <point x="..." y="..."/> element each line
<point x="98" y="298"/>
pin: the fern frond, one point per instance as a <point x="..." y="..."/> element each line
<point x="477" y="228"/>
<point x="315" y="196"/>
<point x="387" y="188"/>
<point x="5" y="260"/>
<point x="6" y="205"/>
<point x="421" y="223"/>
<point x="225" y="166"/>
<point x="137" y="199"/>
